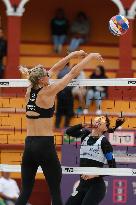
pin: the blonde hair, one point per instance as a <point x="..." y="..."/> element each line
<point x="34" y="74"/>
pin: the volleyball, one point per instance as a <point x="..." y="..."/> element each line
<point x="118" y="25"/>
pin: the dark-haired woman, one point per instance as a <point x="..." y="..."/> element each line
<point x="94" y="151"/>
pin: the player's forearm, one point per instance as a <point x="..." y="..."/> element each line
<point x="80" y="66"/>
<point x="61" y="64"/>
<point x="71" y="131"/>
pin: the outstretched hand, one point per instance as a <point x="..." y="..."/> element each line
<point x="83" y="54"/>
<point x="119" y="122"/>
<point x="97" y="56"/>
<point x="79" y="54"/>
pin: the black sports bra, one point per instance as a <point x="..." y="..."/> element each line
<point x="31" y="106"/>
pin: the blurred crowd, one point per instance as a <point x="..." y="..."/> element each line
<point x="85" y="96"/>
<point x="74" y="34"/>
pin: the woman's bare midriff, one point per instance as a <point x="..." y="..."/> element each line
<point x="40" y="127"/>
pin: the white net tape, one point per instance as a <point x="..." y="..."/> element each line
<point x="99" y="171"/>
<point x="75" y="82"/>
<point x="79" y="170"/>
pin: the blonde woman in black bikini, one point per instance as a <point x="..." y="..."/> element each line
<point x="39" y="144"/>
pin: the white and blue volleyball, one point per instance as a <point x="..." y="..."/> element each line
<point x="118" y="25"/>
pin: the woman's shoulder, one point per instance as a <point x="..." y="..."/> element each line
<point x="48" y="88"/>
<point x="48" y="91"/>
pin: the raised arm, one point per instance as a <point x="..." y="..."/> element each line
<point x="75" y="71"/>
<point x="61" y="64"/>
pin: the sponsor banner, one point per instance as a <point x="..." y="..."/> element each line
<point x="131" y="82"/>
<point x="122" y="138"/>
<point x="4" y="83"/>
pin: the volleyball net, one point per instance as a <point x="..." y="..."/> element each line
<point x="122" y="103"/>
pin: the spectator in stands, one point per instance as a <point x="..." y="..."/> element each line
<point x="9" y="190"/>
<point x="80" y="30"/>
<point x="59" y="29"/>
<point x="65" y="101"/>
<point x="96" y="93"/>
<point x="80" y="93"/>
<point x="3" y="51"/>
